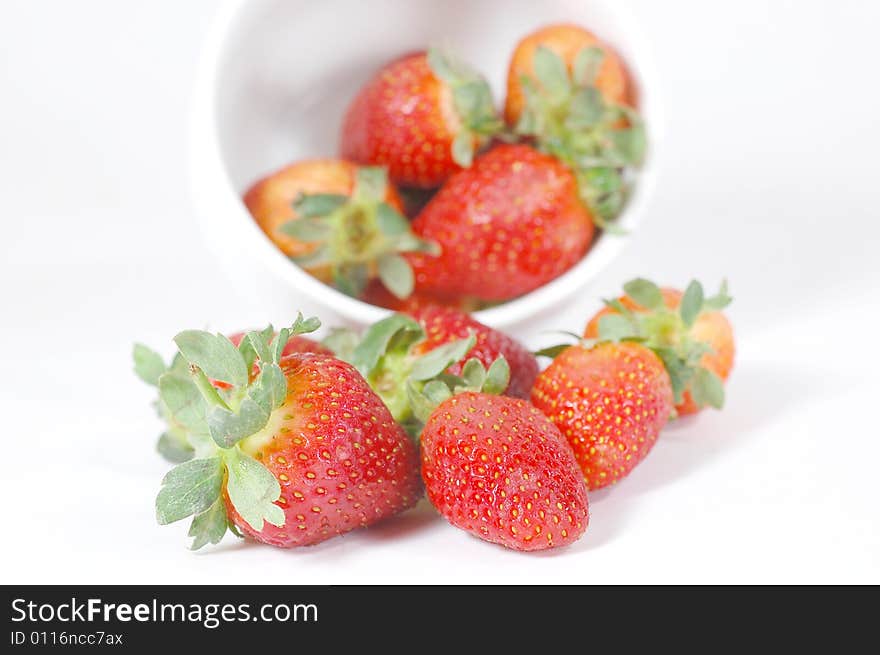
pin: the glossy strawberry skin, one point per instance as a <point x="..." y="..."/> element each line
<point x="497" y="468"/>
<point x="404" y="119"/>
<point x="507" y="225"/>
<point x="442" y="325"/>
<point x="340" y="458"/>
<point x="610" y="402"/>
<point x="710" y="327"/>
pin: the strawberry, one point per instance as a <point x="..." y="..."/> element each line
<point x="149" y="366"/>
<point x="498" y="468"/>
<point x="507" y="225"/>
<point x="610" y="401"/>
<point x="687" y="330"/>
<point x="443" y="325"/>
<point x="433" y="342"/>
<point x="566" y="41"/>
<point x="423" y="116"/>
<point x="340" y="222"/>
<point x="298" y="449"/>
<point x="569" y="93"/>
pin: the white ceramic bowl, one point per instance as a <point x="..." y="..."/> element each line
<point x="276" y="76"/>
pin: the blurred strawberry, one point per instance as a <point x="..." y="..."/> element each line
<point x="423" y="116"/>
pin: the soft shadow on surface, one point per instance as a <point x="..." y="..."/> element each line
<point x="402" y="525"/>
<point x="758" y="394"/>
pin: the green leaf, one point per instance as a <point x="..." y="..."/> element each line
<point x="586" y="66"/>
<point x="424" y="401"/>
<point x="474" y="374"/>
<point x="411" y="243"/>
<point x="552" y="351"/>
<point x="174" y="447"/>
<point x="371" y="183"/>
<point x="497" y="378"/>
<point x="188" y="489"/>
<point x="315" y="205"/>
<point x="342" y="341"/>
<point x="377" y="338"/>
<point x="680" y="373"/>
<point x="616" y="327"/>
<point x="209" y="526"/>
<point x="551" y="72"/>
<point x="463" y="148"/>
<point x="255" y="345"/>
<point x="628" y="144"/>
<point x="439" y="359"/>
<point x="214" y="354"/>
<point x="397" y="275"/>
<point x="148" y="364"/>
<point x="270" y="388"/>
<point x="350" y="279"/>
<point x="585" y="109"/>
<point x="442" y="65"/>
<point x="691" y="303"/>
<point x="719" y="301"/>
<point x="228" y="427"/>
<point x="391" y="222"/>
<point x="707" y="389"/>
<point x="645" y="293"/>
<point x="318" y="257"/>
<point x="308" y="229"/>
<point x="183" y="402"/>
<point x="253" y="490"/>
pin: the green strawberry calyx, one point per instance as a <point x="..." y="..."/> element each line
<point x="388" y="358"/>
<point x="359" y="236"/>
<point x="220" y="398"/>
<point x="667" y="332"/>
<point x="568" y="117"/>
<point x="472" y="99"/>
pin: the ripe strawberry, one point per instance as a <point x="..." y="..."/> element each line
<point x="434" y="342"/>
<point x="499" y="469"/>
<point x="377" y="294"/>
<point x="443" y="325"/>
<point x="687" y="330"/>
<point x="569" y="93"/>
<point x="423" y="116"/>
<point x="340" y="222"/>
<point x="610" y="401"/>
<point x="507" y="225"/>
<point x="174" y="444"/>
<point x="292" y="455"/>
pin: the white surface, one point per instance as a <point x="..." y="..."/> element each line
<point x="261" y="102"/>
<point x="769" y="179"/>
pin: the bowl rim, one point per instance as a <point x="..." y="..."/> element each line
<point x="213" y="191"/>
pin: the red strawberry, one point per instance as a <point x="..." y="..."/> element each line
<point x="507" y="225"/>
<point x="499" y="469"/>
<point x="443" y="325"/>
<point x="422" y="116"/>
<point x="569" y="94"/>
<point x="610" y="401"/>
<point x="340" y="222"/>
<point x="433" y="342"/>
<point x="303" y="452"/>
<point x="689" y="332"/>
<point x="377" y="294"/>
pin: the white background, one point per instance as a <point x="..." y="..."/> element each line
<point x="770" y="178"/>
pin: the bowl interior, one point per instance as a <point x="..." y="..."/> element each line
<point x="286" y="70"/>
